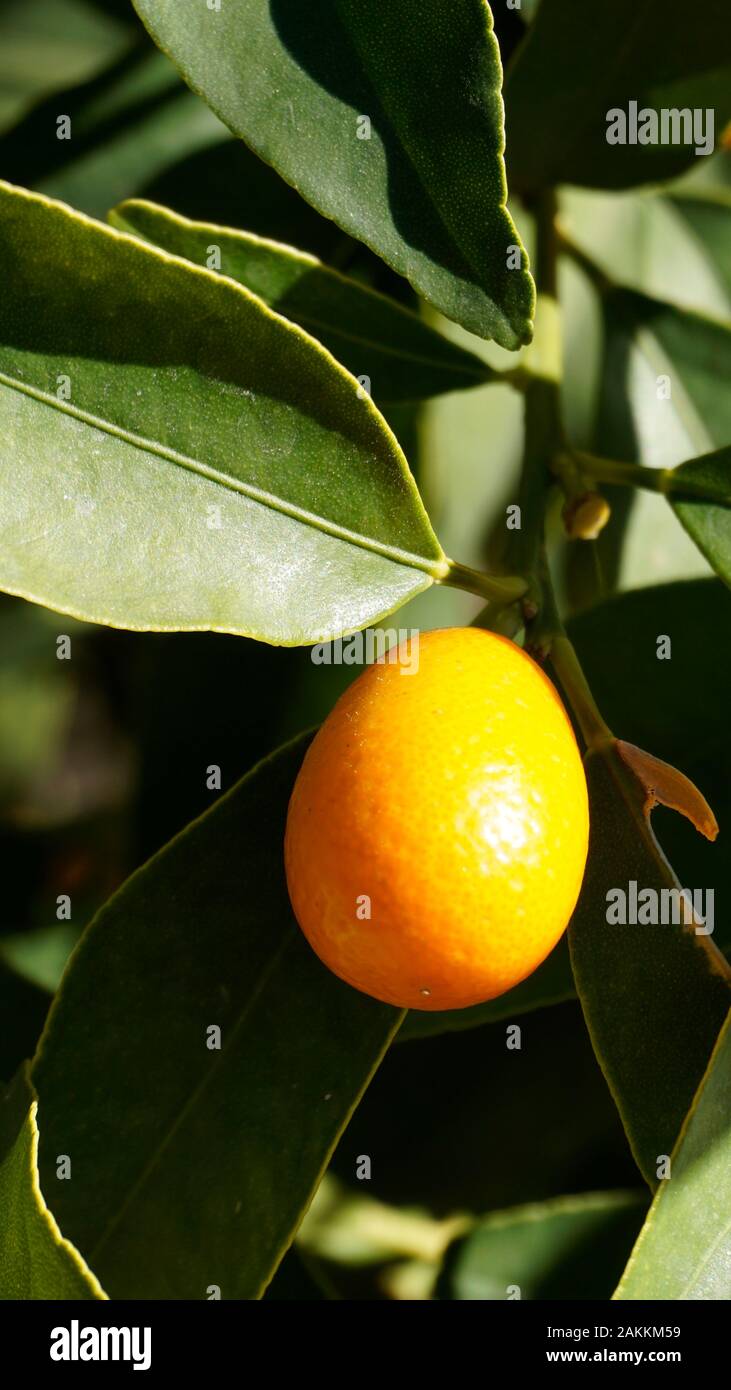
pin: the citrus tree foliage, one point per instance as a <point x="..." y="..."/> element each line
<point x="275" y="362"/>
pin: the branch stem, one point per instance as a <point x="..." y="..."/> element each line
<point x="594" y="730"/>
<point x="545" y="443"/>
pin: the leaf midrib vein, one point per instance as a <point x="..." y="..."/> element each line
<point x="435" y="568"/>
<point x="195" y="1095"/>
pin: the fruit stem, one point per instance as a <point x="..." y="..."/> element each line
<point x="524" y="544"/>
<point x="544" y="436"/>
<point x="547" y="638"/>
<point x="594" y="730"/>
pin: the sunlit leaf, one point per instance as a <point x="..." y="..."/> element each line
<point x="36" y="1261"/>
<point x="177" y="456"/>
<point x="684" y="1248"/>
<point x="406" y="156"/>
<point x="374" y="337"/>
<point x="568" y="1248"/>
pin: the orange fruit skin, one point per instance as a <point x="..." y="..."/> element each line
<point x="455" y="800"/>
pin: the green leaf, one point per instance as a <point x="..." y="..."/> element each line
<point x="684" y="1248"/>
<point x="36" y="1261"/>
<point x="655" y="349"/>
<point x="567" y="1248"/>
<point x="663" y="400"/>
<point x="373" y="336"/>
<point x="670" y="248"/>
<point x="202" y="935"/>
<point x="681" y="713"/>
<point x="424" y="185"/>
<point x="227" y="184"/>
<point x="574" y="68"/>
<point x="708" y="216"/>
<point x="654" y="997"/>
<point x="177" y="456"/>
<point x="683" y="709"/>
<point x="46" y="45"/>
<point x="708" y="521"/>
<point x="649" y="339"/>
